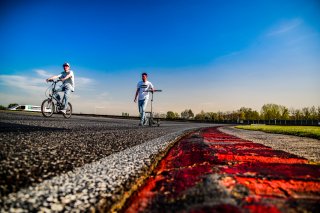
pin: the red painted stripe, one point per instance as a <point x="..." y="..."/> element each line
<point x="275" y="181"/>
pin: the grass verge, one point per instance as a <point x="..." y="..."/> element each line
<point x="303" y="131"/>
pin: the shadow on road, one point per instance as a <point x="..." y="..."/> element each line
<point x="10" y="127"/>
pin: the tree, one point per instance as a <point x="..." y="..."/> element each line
<point x="171" y="115"/>
<point x="284" y="113"/>
<point x="187" y="114"/>
<point x="297" y="114"/>
<point x="231" y="116"/>
<point x="248" y="114"/>
<point x="234" y="116"/>
<point x="220" y="116"/>
<point x="242" y="115"/>
<point x="270" y="111"/>
<point x="313" y="113"/>
<point x="255" y="115"/>
<point x="200" y="116"/>
<point x="306" y="113"/>
<point x="125" y="114"/>
<point x="211" y="116"/>
<point x="159" y="115"/>
<point x="292" y="113"/>
<point x="191" y="114"/>
<point x="12" y="105"/>
<point x="3" y="107"/>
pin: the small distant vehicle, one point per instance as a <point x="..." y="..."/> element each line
<point x="151" y="121"/>
<point x="30" y="108"/>
<point x="53" y="103"/>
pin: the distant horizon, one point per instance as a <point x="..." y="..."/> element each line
<point x="204" y="55"/>
<point x="97" y="111"/>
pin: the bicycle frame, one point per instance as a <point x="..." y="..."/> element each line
<point x="53" y="104"/>
<point x="58" y="104"/>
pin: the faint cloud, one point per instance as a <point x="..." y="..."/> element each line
<point x="19" y="98"/>
<point x="83" y="81"/>
<point x="306" y="37"/>
<point x="104" y="95"/>
<point x="229" y="55"/>
<point x="43" y="73"/>
<point x="26" y="83"/>
<point x="285" y="27"/>
<point x="84" y="85"/>
<point x="36" y="84"/>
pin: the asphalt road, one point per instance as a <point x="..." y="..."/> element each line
<point x="34" y="149"/>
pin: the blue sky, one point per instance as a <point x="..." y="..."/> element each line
<point x="210" y="55"/>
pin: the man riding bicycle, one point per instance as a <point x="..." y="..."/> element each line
<point x="67" y="78"/>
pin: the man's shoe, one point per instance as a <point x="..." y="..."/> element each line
<point x="63" y="111"/>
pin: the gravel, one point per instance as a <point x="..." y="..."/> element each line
<point x="305" y="147"/>
<point x="81" y="163"/>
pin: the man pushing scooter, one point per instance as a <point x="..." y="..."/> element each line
<point x="143" y="89"/>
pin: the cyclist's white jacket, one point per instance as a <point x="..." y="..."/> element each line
<point x="69" y="80"/>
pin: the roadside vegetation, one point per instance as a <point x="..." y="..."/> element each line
<point x="269" y="113"/>
<point x="9" y="106"/>
<point x="303" y="131"/>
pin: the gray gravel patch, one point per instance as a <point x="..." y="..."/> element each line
<point x="305" y="147"/>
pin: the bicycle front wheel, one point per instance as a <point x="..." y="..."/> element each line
<point x="68" y="111"/>
<point x="47" y="108"/>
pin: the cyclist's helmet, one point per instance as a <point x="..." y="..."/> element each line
<point x="66" y="64"/>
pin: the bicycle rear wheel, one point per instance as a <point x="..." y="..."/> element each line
<point x="68" y="111"/>
<point x="47" y="108"/>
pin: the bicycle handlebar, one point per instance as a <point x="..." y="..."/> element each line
<point x="54" y="81"/>
<point x="156" y="90"/>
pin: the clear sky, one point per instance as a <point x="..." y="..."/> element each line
<point x="206" y="55"/>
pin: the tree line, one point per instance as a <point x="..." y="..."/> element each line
<point x="8" y="107"/>
<point x="267" y="112"/>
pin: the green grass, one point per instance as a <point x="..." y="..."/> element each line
<point x="303" y="131"/>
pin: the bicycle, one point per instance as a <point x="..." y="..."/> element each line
<point x="149" y="115"/>
<point x="53" y="103"/>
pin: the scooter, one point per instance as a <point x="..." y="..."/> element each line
<point x="150" y="119"/>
